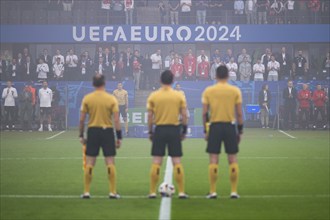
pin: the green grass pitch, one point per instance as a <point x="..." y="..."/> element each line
<point x="280" y="178"/>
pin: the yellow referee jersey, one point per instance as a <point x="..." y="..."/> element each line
<point x="121" y="95"/>
<point x="100" y="106"/>
<point x="166" y="104"/>
<point x="222" y="99"/>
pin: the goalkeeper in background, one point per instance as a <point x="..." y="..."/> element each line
<point x="101" y="107"/>
<point x="224" y="104"/>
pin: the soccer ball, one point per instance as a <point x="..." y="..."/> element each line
<point x="166" y="190"/>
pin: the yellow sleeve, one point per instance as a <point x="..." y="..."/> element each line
<point x="115" y="106"/>
<point x="84" y="106"/>
<point x="205" y="99"/>
<point x="239" y="96"/>
<point x="150" y="104"/>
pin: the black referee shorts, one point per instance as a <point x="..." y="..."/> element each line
<point x="100" y="138"/>
<point x="122" y="111"/>
<point x="222" y="132"/>
<point x="167" y="136"/>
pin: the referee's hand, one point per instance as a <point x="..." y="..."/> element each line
<point x="118" y="143"/>
<point x="151" y="136"/>
<point x="82" y="140"/>
<point x="183" y="136"/>
<point x="206" y="136"/>
<point x="239" y="138"/>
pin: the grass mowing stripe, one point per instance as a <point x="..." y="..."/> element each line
<point x="51" y="137"/>
<point x="165" y="205"/>
<point x="289" y="135"/>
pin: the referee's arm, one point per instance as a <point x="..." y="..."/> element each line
<point x="118" y="128"/>
<point x="184" y="122"/>
<point x="82" y="127"/>
<point x="239" y="116"/>
<point x="205" y="116"/>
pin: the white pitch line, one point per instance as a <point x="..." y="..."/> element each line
<point x="290" y="136"/>
<point x="145" y="197"/>
<point x="165" y="205"/>
<point x="51" y="137"/>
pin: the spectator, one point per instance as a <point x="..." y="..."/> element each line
<point x="107" y="57"/>
<point x="9" y="94"/>
<point x="314" y="7"/>
<point x="12" y="71"/>
<point x="100" y="67"/>
<point x="128" y="60"/>
<point x="228" y="56"/>
<point x="262" y="8"/>
<point x="114" y="71"/>
<point x="58" y="69"/>
<point x="265" y="58"/>
<point x="156" y="60"/>
<point x="203" y="69"/>
<point x="325" y="4"/>
<point x="58" y="54"/>
<point x="264" y="103"/>
<point x="290" y="12"/>
<point x="199" y="58"/>
<point x="304" y="98"/>
<point x="26" y="106"/>
<point x="118" y="9"/>
<point x="285" y="63"/>
<point x="245" y="70"/>
<point x="3" y="68"/>
<point x="42" y="70"/>
<point x="105" y="15"/>
<point x="71" y="61"/>
<point x="251" y="11"/>
<point x="169" y="59"/>
<point x="185" y="16"/>
<point x="46" y="57"/>
<point x="138" y="56"/>
<point x="28" y="70"/>
<point x="276" y="11"/>
<point x="201" y="6"/>
<point x="216" y="55"/>
<point x="326" y="65"/>
<point x="289" y="96"/>
<point x="121" y="65"/>
<point x="26" y="53"/>
<point x="319" y="98"/>
<point x="45" y="99"/>
<point x="136" y="72"/>
<point x="174" y="6"/>
<point x="85" y="66"/>
<point x="302" y="11"/>
<point x="177" y="69"/>
<point x="54" y="5"/>
<point x="258" y="71"/>
<point x="273" y="67"/>
<point x="232" y="68"/>
<point x="300" y="67"/>
<point x="243" y="55"/>
<point x="214" y="67"/>
<point x="67" y="5"/>
<point x="162" y="11"/>
<point x="147" y="71"/>
<point x="114" y="53"/>
<point x="129" y="9"/>
<point x="98" y="54"/>
<point x="213" y="12"/>
<point x="238" y="11"/>
<point x="189" y="66"/>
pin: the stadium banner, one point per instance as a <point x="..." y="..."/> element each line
<point x="164" y="33"/>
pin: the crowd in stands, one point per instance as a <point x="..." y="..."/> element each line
<point x="145" y="69"/>
<point x="165" y="12"/>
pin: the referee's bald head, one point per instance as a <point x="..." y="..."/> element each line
<point x="222" y="72"/>
<point x="98" y="80"/>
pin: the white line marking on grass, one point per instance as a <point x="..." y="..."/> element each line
<point x="290" y="136"/>
<point x="145" y="197"/>
<point x="51" y="137"/>
<point x="165" y="205"/>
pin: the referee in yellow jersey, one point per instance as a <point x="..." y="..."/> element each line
<point x="222" y="108"/>
<point x="165" y="106"/>
<point x="100" y="107"/>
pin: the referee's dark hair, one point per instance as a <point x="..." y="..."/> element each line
<point x="222" y="72"/>
<point x="98" y="80"/>
<point x="167" y="77"/>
